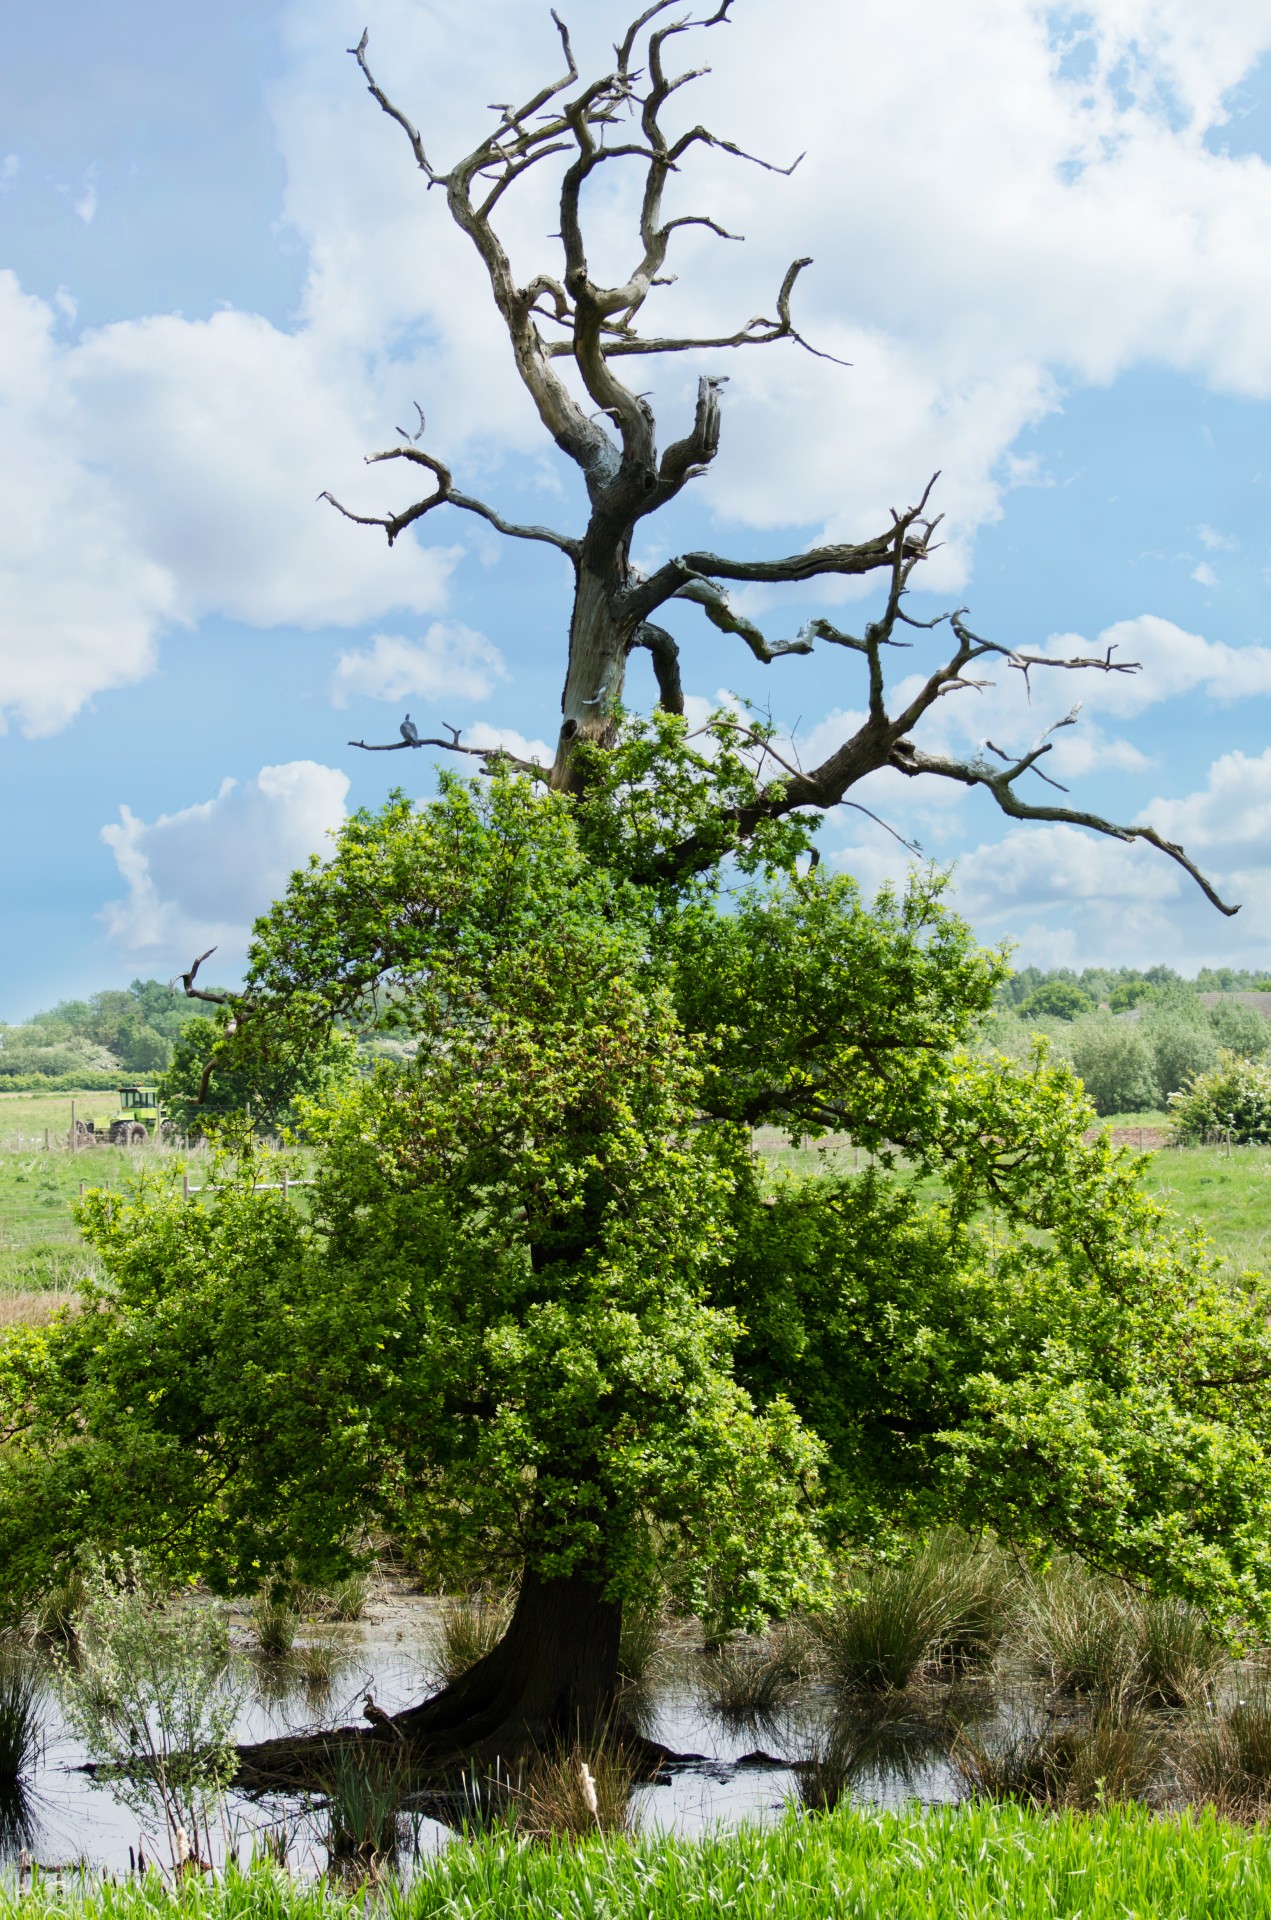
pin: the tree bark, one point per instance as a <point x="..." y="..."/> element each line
<point x="552" y="1679"/>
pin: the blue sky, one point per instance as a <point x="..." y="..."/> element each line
<point x="1040" y="237"/>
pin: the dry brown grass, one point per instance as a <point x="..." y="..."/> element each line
<point x="31" y="1309"/>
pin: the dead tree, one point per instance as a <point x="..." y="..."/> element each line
<point x="565" y="319"/>
<point x="557" y="1665"/>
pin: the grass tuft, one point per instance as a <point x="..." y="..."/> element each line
<point x="21" y="1716"/>
<point x="750" y="1678"/>
<point x="947" y="1603"/>
<point x="468" y="1627"/>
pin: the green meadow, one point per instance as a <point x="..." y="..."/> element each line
<point x="978" y="1862"/>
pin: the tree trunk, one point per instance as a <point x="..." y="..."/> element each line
<point x="598" y="647"/>
<point x="553" y="1678"/>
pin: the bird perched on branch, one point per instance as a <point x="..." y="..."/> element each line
<point x="410" y="732"/>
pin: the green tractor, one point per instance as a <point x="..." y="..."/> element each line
<point x="138" y="1120"/>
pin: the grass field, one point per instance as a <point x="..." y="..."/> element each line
<point x="41" y="1255"/>
<point x="976" y="1863"/>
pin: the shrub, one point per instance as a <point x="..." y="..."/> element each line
<point x="1180" y="1049"/>
<point x="1233" y="1097"/>
<point x="1114" y="1063"/>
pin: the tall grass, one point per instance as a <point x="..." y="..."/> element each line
<point x="21" y="1716"/>
<point x="467" y="1628"/>
<point x="947" y="1603"/>
<point x="751" y="1678"/>
<point x="1226" y="1758"/>
<point x="1110" y="1758"/>
<point x="1088" y="1636"/>
<point x="976" y="1863"/>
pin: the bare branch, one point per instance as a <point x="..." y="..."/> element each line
<point x="666" y="664"/>
<point x="453" y="745"/>
<point x="192" y="992"/>
<point x="972" y="773"/>
<point x="446" y="495"/>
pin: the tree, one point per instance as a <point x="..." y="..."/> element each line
<point x="547" y="1318"/>
<point x="1115" y="1065"/>
<point x="547" y="1313"/>
<point x="607" y="429"/>
<point x="1057" y="1000"/>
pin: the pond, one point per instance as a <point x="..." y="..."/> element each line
<point x="756" y="1741"/>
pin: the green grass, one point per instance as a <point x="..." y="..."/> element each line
<point x="978" y="1863"/>
<point x="1230" y="1196"/>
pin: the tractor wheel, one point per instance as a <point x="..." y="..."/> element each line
<point x="135" y="1135"/>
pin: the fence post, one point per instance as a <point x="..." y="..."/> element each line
<point x="284" y="1186"/>
<point x="74" y="1135"/>
<point x="185" y="1186"/>
<point x="46" y="1140"/>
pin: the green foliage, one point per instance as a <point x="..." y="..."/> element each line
<point x="1180" y="1048"/>
<point x="543" y="1308"/>
<point x="99" y="1042"/>
<point x="1232" y="1099"/>
<point x="1240" y="1029"/>
<point x="1115" y="1065"/>
<point x="151" y="1691"/>
<point x="269" y="1089"/>
<point x="1057" y="1000"/>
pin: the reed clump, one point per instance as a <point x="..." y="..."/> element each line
<point x="21" y="1716"/>
<point x="275" y="1623"/>
<point x="750" y="1678"/>
<point x="1111" y="1758"/>
<point x="577" y="1790"/>
<point x="468" y="1627"/>
<point x="1225" y="1758"/>
<point x="363" y="1788"/>
<point x="1091" y="1638"/>
<point x="948" y="1603"/>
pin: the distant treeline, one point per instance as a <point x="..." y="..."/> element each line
<point x="1135" y="1037"/>
<point x="100" y="1043"/>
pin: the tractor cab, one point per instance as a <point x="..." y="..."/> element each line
<point x="139" y="1119"/>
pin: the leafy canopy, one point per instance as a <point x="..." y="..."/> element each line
<point x="547" y="1310"/>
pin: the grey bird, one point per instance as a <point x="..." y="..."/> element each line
<point x="410" y="732"/>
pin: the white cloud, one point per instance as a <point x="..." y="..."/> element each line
<point x="161" y="470"/>
<point x="482" y="735"/>
<point x="199" y="877"/>
<point x="1061" y="219"/>
<point x="450" y="659"/>
<point x="86" y="205"/>
<point x="1215" y="542"/>
<point x="10" y="167"/>
<point x="1204" y="575"/>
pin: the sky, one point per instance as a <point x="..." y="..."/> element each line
<point x="1041" y="236"/>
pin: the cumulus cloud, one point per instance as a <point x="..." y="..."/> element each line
<point x="449" y="659"/>
<point x="483" y="735"/>
<point x="199" y="877"/>
<point x="160" y="470"/>
<point x="1055" y="211"/>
